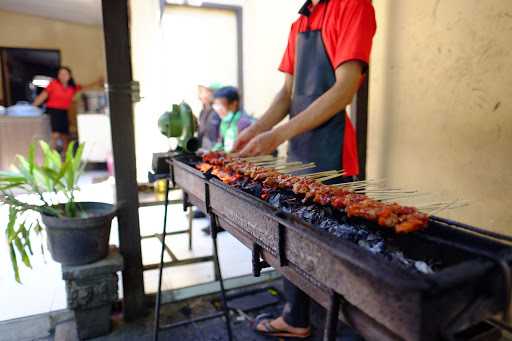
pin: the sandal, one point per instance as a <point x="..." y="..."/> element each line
<point x="265" y="319"/>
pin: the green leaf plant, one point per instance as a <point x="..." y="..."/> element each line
<point x="53" y="182"/>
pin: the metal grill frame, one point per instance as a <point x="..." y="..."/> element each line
<point x="382" y="301"/>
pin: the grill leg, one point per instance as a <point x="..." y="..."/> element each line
<point x="214" y="230"/>
<point x="331" y="318"/>
<point x="190" y="220"/>
<point x="161" y="266"/>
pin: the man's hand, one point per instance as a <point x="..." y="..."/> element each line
<point x="243" y="139"/>
<point x="262" y="144"/>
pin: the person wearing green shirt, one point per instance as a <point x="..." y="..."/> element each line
<point x="233" y="119"/>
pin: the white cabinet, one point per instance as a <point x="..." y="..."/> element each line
<point x="94" y="131"/>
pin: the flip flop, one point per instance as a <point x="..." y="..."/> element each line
<point x="271" y="331"/>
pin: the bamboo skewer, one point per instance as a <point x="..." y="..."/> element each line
<point x="269" y="162"/>
<point x="384" y="191"/>
<point x="361" y="182"/>
<point x="317" y="177"/>
<point x="329" y="177"/>
<point x="299" y="168"/>
<point x="454" y="204"/>
<point x="388" y="197"/>
<point x="257" y="158"/>
<point x="317" y="174"/>
<point x="361" y="187"/>
<point x="287" y="165"/>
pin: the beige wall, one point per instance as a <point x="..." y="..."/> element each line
<point x="81" y="46"/>
<point x="266" y="27"/>
<point x="440" y="103"/>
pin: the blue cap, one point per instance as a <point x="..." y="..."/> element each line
<point x="228" y="92"/>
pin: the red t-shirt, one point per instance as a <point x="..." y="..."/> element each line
<point x="347" y="32"/>
<point x="60" y="97"/>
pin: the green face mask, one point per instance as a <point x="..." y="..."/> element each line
<point x="229" y="130"/>
<point x="229" y="139"/>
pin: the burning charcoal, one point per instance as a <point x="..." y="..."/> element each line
<point x="253" y="188"/>
<point x="275" y="200"/>
<point x="399" y="256"/>
<point x="423" y="267"/>
<point x="337" y="223"/>
<point x="377" y="247"/>
<point x="328" y="224"/>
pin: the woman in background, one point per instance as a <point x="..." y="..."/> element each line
<point x="59" y="95"/>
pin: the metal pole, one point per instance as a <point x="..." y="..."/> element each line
<point x="331" y="318"/>
<point x="119" y="71"/>
<point x="161" y="267"/>
<point x="214" y="231"/>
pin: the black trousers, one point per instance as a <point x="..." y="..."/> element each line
<point x="296" y="310"/>
<point x="58" y="120"/>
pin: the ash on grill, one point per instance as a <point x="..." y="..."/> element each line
<point x="336" y="222"/>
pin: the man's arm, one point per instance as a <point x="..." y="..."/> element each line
<point x="274" y="114"/>
<point x="348" y="76"/>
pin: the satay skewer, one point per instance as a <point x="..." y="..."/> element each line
<point x="269" y="162"/>
<point x="320" y="174"/>
<point x="384" y="191"/>
<point x="330" y="177"/>
<point x="257" y="158"/>
<point x="452" y="205"/>
<point x="392" y="197"/>
<point x="299" y="168"/>
<point x="361" y="182"/>
<point x="363" y="187"/>
<point x="287" y="165"/>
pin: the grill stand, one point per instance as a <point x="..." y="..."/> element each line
<point x="214" y="232"/>
<point x="335" y="300"/>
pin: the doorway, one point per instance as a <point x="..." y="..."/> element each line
<point x="209" y="51"/>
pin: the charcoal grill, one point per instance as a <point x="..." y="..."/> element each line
<point x="378" y="297"/>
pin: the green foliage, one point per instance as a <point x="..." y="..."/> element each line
<point x="50" y="181"/>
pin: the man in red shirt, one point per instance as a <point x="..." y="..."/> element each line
<point x="327" y="56"/>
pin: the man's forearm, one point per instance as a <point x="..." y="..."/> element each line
<point x="326" y="106"/>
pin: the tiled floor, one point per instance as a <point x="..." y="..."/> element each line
<point x="43" y="289"/>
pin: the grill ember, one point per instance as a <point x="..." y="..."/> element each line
<point x="392" y="216"/>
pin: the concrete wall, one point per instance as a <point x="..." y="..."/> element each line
<point x="266" y="27"/>
<point x="81" y="46"/>
<point x="440" y="104"/>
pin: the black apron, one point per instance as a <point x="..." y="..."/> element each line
<point x="314" y="75"/>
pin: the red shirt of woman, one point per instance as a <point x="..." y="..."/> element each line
<point x="59" y="96"/>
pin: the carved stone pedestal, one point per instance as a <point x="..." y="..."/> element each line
<point x="91" y="289"/>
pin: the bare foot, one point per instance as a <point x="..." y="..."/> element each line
<point x="281" y="325"/>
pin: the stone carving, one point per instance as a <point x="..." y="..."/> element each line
<point x="92" y="292"/>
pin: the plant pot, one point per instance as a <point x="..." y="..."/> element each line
<point x="78" y="241"/>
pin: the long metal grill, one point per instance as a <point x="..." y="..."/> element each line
<point x="426" y="285"/>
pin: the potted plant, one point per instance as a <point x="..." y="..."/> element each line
<point x="77" y="232"/>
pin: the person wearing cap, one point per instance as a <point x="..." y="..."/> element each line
<point x="233" y="119"/>
<point x="326" y="58"/>
<point x="209" y="120"/>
